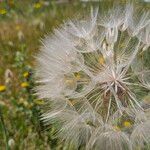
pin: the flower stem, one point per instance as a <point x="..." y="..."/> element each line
<point x="4" y="129"/>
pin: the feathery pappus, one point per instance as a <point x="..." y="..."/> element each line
<point x="93" y="77"/>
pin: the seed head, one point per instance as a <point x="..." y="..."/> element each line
<point x="88" y="75"/>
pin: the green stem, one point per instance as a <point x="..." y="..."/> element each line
<point x="4" y="130"/>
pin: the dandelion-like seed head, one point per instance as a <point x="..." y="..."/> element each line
<point x="90" y="73"/>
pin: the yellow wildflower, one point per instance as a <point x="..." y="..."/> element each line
<point x="127" y="124"/>
<point x="101" y="60"/>
<point x="3" y="11"/>
<point x="24" y="84"/>
<point x="26" y="74"/>
<point x="37" y="5"/>
<point x="2" y="88"/>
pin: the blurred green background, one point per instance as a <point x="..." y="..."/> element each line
<point x="23" y="23"/>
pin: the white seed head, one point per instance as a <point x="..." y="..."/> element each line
<point x="89" y="74"/>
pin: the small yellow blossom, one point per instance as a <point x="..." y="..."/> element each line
<point x="127" y="124"/>
<point x="101" y="60"/>
<point x="37" y="5"/>
<point x="2" y="88"/>
<point x="24" y="84"/>
<point x="26" y="74"/>
<point x="3" y="11"/>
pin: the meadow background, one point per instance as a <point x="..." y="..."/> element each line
<point x="23" y="23"/>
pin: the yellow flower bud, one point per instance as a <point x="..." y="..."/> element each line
<point x="127" y="124"/>
<point x="26" y="74"/>
<point x="2" y="88"/>
<point x="37" y="5"/>
<point x="3" y="11"/>
<point x="24" y="84"/>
